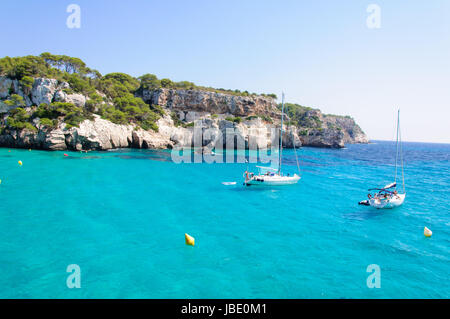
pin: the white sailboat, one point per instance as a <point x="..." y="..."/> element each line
<point x="268" y="176"/>
<point x="388" y="196"/>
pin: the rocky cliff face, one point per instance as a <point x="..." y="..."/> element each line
<point x="97" y="134"/>
<point x="184" y="101"/>
<point x="334" y="131"/>
<point x="351" y="131"/>
<point x="100" y="134"/>
<point x="42" y="91"/>
<point x="204" y="117"/>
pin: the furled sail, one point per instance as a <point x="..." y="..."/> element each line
<point x="390" y="185"/>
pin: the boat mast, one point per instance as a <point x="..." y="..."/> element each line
<point x="396" y="152"/>
<point x="281" y="134"/>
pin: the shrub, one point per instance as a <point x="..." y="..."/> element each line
<point x="48" y="122"/>
<point x="190" y="124"/>
<point x="71" y="114"/>
<point x="176" y="121"/>
<point x="129" y="83"/>
<point x="68" y="91"/>
<point x="186" y="85"/>
<point x="149" y="82"/>
<point x="56" y="109"/>
<point x="18" y="120"/>
<point x="17" y="125"/>
<point x="167" y="83"/>
<point x="15" y="100"/>
<point x="27" y="83"/>
<point x="236" y="119"/>
<point x="149" y="125"/>
<point x="266" y="118"/>
<point x="158" y="109"/>
<point x="74" y="118"/>
<point x="19" y="114"/>
<point x="79" y="84"/>
<point x="117" y="116"/>
<point x="94" y="103"/>
<point x="118" y="84"/>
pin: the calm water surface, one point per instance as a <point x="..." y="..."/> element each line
<point x="121" y="216"/>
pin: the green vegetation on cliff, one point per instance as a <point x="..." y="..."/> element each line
<point x="301" y="115"/>
<point x="71" y="114"/>
<point x="151" y="82"/>
<point x="112" y="96"/>
<point x="119" y="104"/>
<point x="18" y="120"/>
<point x="85" y="80"/>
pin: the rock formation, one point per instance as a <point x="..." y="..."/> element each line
<point x="204" y="118"/>
<point x="202" y="102"/>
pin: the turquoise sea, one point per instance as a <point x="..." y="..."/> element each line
<point x="121" y="216"/>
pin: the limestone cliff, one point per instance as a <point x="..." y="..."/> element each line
<point x="220" y="116"/>
<point x="329" y="130"/>
<point x="205" y="102"/>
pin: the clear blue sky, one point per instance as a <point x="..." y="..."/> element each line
<point x="321" y="53"/>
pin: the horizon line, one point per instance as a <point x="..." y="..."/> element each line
<point x="376" y="140"/>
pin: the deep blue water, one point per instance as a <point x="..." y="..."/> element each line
<point x="121" y="216"/>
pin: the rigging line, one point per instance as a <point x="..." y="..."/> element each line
<point x="401" y="159"/>
<point x="295" y="150"/>
<point x="281" y="134"/>
<point x="396" y="152"/>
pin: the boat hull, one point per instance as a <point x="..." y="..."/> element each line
<point x="266" y="180"/>
<point x="393" y="202"/>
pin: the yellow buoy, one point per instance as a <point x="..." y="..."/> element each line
<point x="29" y="149"/>
<point x="427" y="232"/>
<point x="189" y="240"/>
<point x="20" y="163"/>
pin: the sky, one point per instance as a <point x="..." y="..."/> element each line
<point x="322" y="54"/>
